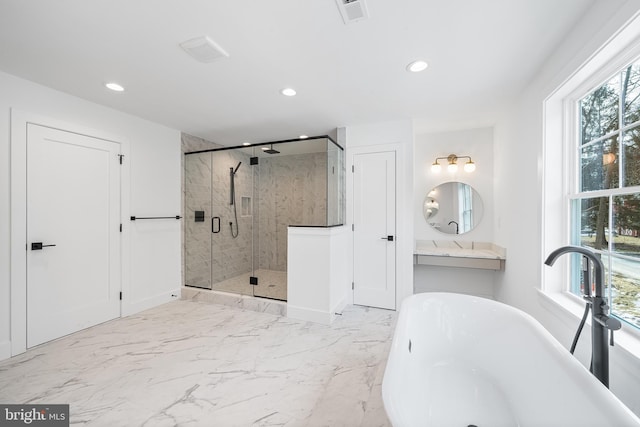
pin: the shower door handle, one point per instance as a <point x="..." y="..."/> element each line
<point x="213" y="224"/>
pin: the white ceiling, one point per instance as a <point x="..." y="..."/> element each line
<point x="481" y="53"/>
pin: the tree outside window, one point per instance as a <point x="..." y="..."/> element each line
<point x="607" y="200"/>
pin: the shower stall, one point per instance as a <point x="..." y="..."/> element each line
<point x="240" y="201"/>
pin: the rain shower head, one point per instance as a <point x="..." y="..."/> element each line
<point x="271" y="150"/>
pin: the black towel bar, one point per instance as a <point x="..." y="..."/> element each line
<point x="133" y="218"/>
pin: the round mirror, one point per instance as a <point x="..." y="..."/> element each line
<point x="453" y="208"/>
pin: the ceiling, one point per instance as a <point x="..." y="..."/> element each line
<point x="481" y="54"/>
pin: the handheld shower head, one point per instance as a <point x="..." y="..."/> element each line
<point x="237" y="167"/>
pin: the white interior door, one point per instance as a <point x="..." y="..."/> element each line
<point x="73" y="211"/>
<point x="374" y="239"/>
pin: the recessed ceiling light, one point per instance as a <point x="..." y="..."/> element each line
<point x="114" y="86"/>
<point x="246" y="143"/>
<point x="304" y="136"/>
<point x="417" y="66"/>
<point x="288" y="92"/>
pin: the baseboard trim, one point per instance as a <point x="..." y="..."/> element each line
<point x="129" y="308"/>
<point x="309" y="315"/>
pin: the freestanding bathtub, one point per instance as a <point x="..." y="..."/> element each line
<point x="458" y="360"/>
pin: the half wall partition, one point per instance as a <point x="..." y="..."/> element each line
<point x="239" y="202"/>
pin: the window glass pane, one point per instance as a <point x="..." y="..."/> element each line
<point x="631" y="92"/>
<point x="594" y="222"/>
<point x="599" y="111"/>
<point x="626" y="225"/>
<point x="625" y="298"/>
<point x="599" y="165"/>
<point x="632" y="157"/>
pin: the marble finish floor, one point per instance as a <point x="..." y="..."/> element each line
<point x="271" y="284"/>
<point x="190" y="363"/>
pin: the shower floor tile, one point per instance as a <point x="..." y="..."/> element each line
<point x="271" y="284"/>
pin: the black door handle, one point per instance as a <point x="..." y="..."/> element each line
<point x="213" y="224"/>
<point x="388" y="238"/>
<point x="37" y="246"/>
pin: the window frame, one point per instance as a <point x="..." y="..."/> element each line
<point x="560" y="120"/>
<point x="573" y="155"/>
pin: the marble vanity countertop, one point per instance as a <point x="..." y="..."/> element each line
<point x="452" y="248"/>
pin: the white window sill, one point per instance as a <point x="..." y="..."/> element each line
<point x="570" y="309"/>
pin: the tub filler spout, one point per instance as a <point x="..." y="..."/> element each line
<point x="601" y="322"/>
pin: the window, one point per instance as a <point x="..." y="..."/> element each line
<point x="605" y="205"/>
<point x="465" y="203"/>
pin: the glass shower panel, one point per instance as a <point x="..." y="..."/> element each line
<point x="197" y="240"/>
<point x="270" y="233"/>
<point x="335" y="185"/>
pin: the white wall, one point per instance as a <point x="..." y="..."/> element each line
<point x="478" y="144"/>
<point x="394" y="135"/>
<point x="151" y="184"/>
<point x="518" y="189"/>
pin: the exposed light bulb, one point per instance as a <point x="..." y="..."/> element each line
<point x="469" y="166"/>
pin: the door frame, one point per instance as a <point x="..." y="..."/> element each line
<point x="404" y="214"/>
<point x="18" y="206"/>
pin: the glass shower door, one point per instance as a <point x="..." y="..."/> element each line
<point x="231" y="243"/>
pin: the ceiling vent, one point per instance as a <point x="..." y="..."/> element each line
<point x="204" y="49"/>
<point x="352" y="10"/>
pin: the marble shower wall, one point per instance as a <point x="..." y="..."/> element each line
<point x="291" y="190"/>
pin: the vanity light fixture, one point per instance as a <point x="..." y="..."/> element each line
<point x="452" y="165"/>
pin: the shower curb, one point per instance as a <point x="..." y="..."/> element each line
<point x="245" y="302"/>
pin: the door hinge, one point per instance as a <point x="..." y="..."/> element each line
<point x="121" y="157"/>
<point x="352" y="286"/>
<point x="120" y="296"/>
<point x="353" y="168"/>
<point x="121" y="228"/>
<point x="353" y="227"/>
